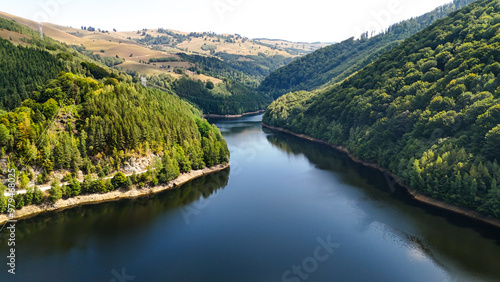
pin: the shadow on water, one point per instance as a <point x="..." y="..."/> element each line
<point x="64" y="229"/>
<point x="232" y="127"/>
<point x="441" y="235"/>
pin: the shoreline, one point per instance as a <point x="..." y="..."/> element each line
<point x="412" y="192"/>
<point x="62" y="204"/>
<point x="233" y="116"/>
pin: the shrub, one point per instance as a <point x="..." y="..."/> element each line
<point x="38" y="197"/>
<point x="55" y="192"/>
<point x="119" y="179"/>
<point x="209" y="84"/>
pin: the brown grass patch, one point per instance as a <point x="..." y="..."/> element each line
<point x="13" y="37"/>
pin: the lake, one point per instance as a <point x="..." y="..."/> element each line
<point x="286" y="210"/>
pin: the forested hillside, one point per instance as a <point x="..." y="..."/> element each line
<point x="226" y="98"/>
<point x="231" y="97"/>
<point x="28" y="65"/>
<point x="22" y="70"/>
<point x="96" y="122"/>
<point x="428" y="110"/>
<point x="336" y="62"/>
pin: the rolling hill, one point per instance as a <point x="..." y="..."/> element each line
<point x="233" y="78"/>
<point x="428" y="110"/>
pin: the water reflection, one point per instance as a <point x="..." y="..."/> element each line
<point x="284" y="193"/>
<point x="451" y="241"/>
<point x="325" y="158"/>
<point x="66" y="229"/>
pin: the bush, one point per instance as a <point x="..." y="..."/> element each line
<point x="209" y="84"/>
<point x="24" y="181"/>
<point x="55" y="192"/>
<point x="154" y="181"/>
<point x="38" y="197"/>
<point x="3" y="199"/>
<point x="128" y="184"/>
<point x="28" y="197"/>
<point x="75" y="187"/>
<point x="67" y="177"/>
<point x="100" y="186"/>
<point x="119" y="179"/>
<point x="19" y="199"/>
<point x="66" y="191"/>
<point x="134" y="178"/>
<point x="109" y="185"/>
<point x="162" y="178"/>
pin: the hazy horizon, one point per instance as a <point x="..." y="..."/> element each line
<point x="319" y="21"/>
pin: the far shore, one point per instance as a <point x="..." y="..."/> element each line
<point x="233" y="116"/>
<point x="414" y="193"/>
<point x="32" y="210"/>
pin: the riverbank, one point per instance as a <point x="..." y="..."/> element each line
<point x="233" y="116"/>
<point x="32" y="210"/>
<point x="414" y="193"/>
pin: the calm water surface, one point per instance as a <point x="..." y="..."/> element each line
<point x="286" y="210"/>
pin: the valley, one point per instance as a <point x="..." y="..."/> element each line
<point x="188" y="155"/>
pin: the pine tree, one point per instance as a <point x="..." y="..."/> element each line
<point x="55" y="192"/>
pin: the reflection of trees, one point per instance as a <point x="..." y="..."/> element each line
<point x="65" y="229"/>
<point x="460" y="240"/>
<point x="326" y="158"/>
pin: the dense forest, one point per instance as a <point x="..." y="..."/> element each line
<point x="428" y="110"/>
<point x="78" y="123"/>
<point x="226" y="98"/>
<point x="95" y="121"/>
<point x="336" y="62"/>
<point x="27" y="66"/>
<point x="22" y="69"/>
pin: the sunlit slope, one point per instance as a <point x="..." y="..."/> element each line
<point x="428" y="110"/>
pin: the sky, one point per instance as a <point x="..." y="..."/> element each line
<point x="294" y="20"/>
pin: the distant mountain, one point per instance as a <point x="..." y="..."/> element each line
<point x="334" y="63"/>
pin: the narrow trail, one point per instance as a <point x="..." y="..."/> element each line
<point x="46" y="187"/>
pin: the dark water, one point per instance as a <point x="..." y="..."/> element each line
<point x="287" y="210"/>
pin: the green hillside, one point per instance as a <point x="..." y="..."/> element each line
<point x="24" y="69"/>
<point x="428" y="110"/>
<point x="96" y="121"/>
<point x="232" y="97"/>
<point x="336" y="62"/>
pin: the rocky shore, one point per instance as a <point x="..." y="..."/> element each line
<point x="32" y="210"/>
